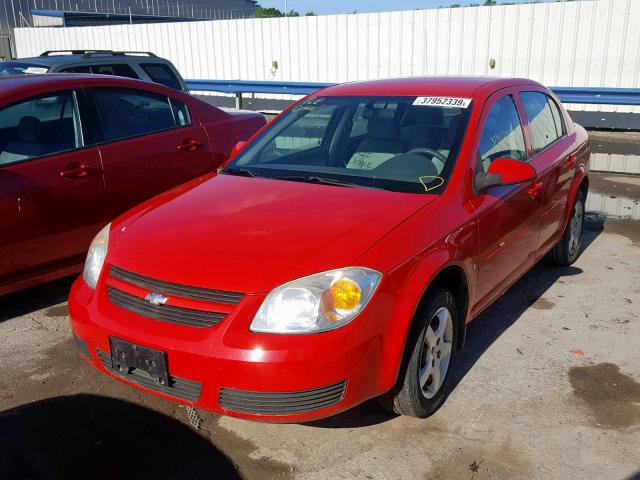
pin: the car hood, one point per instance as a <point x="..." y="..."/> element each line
<point x="252" y="234"/>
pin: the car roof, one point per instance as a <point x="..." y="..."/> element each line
<point x="55" y="60"/>
<point x="424" y="86"/>
<point x="24" y="83"/>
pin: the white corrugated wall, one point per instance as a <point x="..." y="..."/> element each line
<point x="583" y="43"/>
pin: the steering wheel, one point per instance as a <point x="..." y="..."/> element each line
<point x="428" y="151"/>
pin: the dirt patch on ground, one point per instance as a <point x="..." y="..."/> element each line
<point x="543" y="304"/>
<point x="57" y="311"/>
<point x="481" y="463"/>
<point x="612" y="397"/>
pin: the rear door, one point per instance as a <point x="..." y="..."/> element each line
<point x="149" y="143"/>
<point x="551" y="155"/>
<point x="508" y="216"/>
<point x="9" y="220"/>
<point x="57" y="179"/>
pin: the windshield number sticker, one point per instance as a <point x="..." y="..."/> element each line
<point x="35" y="70"/>
<point x="446" y="102"/>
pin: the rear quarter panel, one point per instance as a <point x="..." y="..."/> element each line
<point x="233" y="128"/>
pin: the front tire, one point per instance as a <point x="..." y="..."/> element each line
<point x="567" y="250"/>
<point x="431" y="348"/>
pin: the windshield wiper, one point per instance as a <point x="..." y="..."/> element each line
<point x="321" y="180"/>
<point x="241" y="172"/>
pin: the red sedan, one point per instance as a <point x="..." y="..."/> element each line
<point x="78" y="150"/>
<point x="340" y="254"/>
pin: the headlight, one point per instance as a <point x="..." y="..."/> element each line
<point x="317" y="303"/>
<point x="95" y="257"/>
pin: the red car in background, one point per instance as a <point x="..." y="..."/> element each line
<point x="341" y="253"/>
<point x="78" y="150"/>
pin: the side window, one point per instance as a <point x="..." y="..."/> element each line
<point x="126" y="113"/>
<point x="307" y="133"/>
<point x="77" y="69"/>
<point x="360" y="121"/>
<point x="502" y="136"/>
<point x="40" y="126"/>
<point x="120" y="70"/>
<point x="543" y="125"/>
<point x="161" y="73"/>
<point x="366" y="112"/>
<point x="557" y="117"/>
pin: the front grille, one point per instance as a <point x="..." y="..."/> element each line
<point x="166" y="313"/>
<point x="178" y="387"/>
<point x="281" y="403"/>
<point x="168" y="288"/>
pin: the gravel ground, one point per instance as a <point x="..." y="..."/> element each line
<point x="548" y="386"/>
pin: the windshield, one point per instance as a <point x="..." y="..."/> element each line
<point x="404" y="144"/>
<point x="16" y="68"/>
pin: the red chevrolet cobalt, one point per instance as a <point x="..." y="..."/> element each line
<point x="340" y="254"/>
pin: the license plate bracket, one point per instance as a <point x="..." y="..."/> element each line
<point x="127" y="357"/>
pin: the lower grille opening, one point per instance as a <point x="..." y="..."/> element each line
<point x="281" y="403"/>
<point x="178" y="387"/>
<point x="82" y="347"/>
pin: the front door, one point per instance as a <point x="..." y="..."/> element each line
<point x="508" y="216"/>
<point x="149" y="144"/>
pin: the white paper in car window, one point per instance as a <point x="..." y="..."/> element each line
<point x="35" y="70"/>
<point x="445" y="102"/>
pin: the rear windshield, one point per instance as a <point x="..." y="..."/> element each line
<point x="17" y="68"/>
<point x="161" y="73"/>
<point x="391" y="143"/>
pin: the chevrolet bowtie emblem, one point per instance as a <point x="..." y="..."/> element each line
<point x="156" y="299"/>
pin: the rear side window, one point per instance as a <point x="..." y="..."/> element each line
<point x="161" y="73"/>
<point x="544" y="119"/>
<point x="120" y="70"/>
<point x="126" y="113"/>
<point x="40" y="126"/>
<point x="77" y="69"/>
<point x="502" y="136"/>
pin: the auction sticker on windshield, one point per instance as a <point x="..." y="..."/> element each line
<point x="447" y="102"/>
<point x="36" y="70"/>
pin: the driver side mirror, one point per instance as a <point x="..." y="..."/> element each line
<point x="236" y="148"/>
<point x="502" y="171"/>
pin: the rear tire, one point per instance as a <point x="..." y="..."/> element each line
<point x="567" y="250"/>
<point x="425" y="378"/>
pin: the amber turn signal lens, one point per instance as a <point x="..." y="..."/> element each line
<point x="345" y="294"/>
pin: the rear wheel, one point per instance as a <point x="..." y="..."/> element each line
<point x="567" y="249"/>
<point x="425" y="381"/>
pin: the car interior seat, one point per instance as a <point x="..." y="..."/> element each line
<point x="424" y="128"/>
<point x="28" y="141"/>
<point x="381" y="143"/>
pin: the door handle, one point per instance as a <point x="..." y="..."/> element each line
<point x="77" y="170"/>
<point x="570" y="162"/>
<point x="535" y="189"/>
<point x="190" y="145"/>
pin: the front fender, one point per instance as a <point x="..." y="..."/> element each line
<point x="408" y="285"/>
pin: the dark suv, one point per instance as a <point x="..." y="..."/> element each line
<point x="139" y="65"/>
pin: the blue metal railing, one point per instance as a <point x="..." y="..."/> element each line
<point x="580" y="95"/>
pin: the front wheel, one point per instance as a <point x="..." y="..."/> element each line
<point x="424" y="384"/>
<point x="567" y="249"/>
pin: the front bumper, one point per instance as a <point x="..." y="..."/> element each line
<point x="230" y="370"/>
